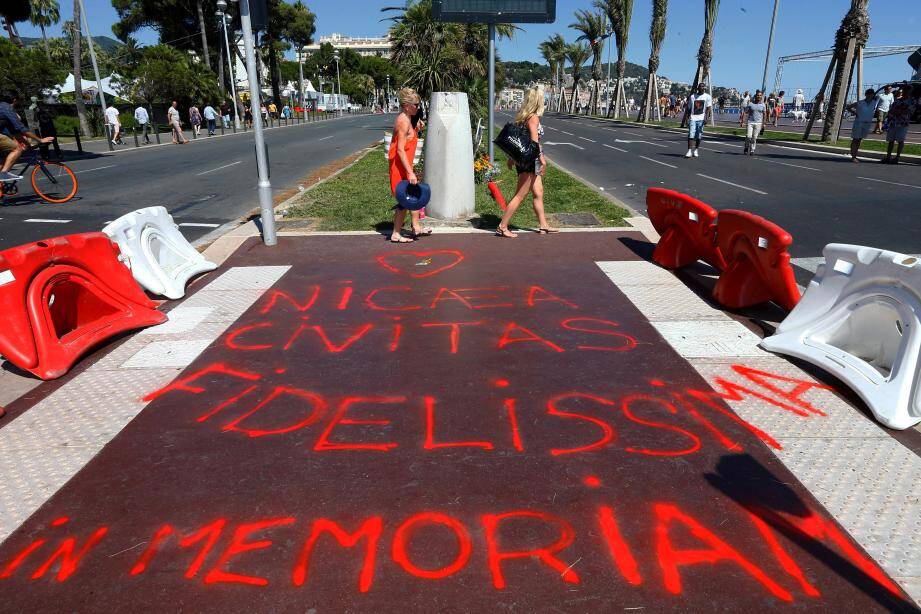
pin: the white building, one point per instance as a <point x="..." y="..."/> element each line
<point x="366" y="46"/>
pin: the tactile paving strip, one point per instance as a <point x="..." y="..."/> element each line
<point x="44" y="447"/>
<point x="709" y="339"/>
<point x="866" y="479"/>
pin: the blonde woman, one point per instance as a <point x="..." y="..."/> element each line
<point x="400" y="157"/>
<point x="530" y="176"/>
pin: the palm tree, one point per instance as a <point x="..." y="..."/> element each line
<point x="576" y="55"/>
<point x="656" y="35"/>
<point x="45" y="13"/>
<point x="619" y="13"/>
<point x="204" y="36"/>
<point x="553" y="50"/>
<point x="705" y="53"/>
<point x="851" y="36"/>
<point x="592" y="27"/>
<point x="78" y="75"/>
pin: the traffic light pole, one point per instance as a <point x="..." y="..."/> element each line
<point x="492" y="90"/>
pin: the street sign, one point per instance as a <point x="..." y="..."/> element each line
<point x="495" y="11"/>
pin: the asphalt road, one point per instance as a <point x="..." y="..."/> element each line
<point x="203" y="184"/>
<point x="819" y="198"/>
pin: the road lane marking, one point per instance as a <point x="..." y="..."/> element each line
<point x="570" y="144"/>
<point x="617" y="148"/>
<point x="198" y="225"/>
<point x="735" y="185"/>
<point x="904" y="185"/>
<point x="219" y="168"/>
<point x="326" y="137"/>
<point x="589" y="140"/>
<point x="569" y="133"/>
<point x="633" y="133"/>
<point x="808" y="168"/>
<point x="39" y="220"/>
<point x="98" y="168"/>
<point x="658" y="162"/>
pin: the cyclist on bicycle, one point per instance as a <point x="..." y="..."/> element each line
<point x="13" y="138"/>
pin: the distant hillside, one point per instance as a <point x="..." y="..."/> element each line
<point x="108" y="44"/>
<point x="523" y="73"/>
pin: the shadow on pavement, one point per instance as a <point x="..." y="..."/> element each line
<point x="739" y="476"/>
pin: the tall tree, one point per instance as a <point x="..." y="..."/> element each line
<point x="705" y="53"/>
<point x="852" y="36"/>
<point x="619" y="14"/>
<point x="45" y="13"/>
<point x="13" y="11"/>
<point x="27" y="71"/>
<point x="656" y="35"/>
<point x="576" y="54"/>
<point x="206" y="57"/>
<point x="77" y="54"/>
<point x="554" y="51"/>
<point x="592" y="26"/>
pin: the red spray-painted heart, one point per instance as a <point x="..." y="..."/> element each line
<point x="421" y="264"/>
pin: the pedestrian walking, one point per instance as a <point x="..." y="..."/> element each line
<point x="47" y="129"/>
<point x="530" y="175"/>
<point x="754" y="115"/>
<point x="673" y="105"/>
<point x="142" y="120"/>
<point x="248" y="116"/>
<point x="273" y="110"/>
<point x="820" y="102"/>
<point x="172" y="116"/>
<point x="864" y="112"/>
<point x="225" y="114"/>
<point x="195" y="119"/>
<point x="778" y="109"/>
<point x="885" y="101"/>
<point x="401" y="155"/>
<point x="286" y="112"/>
<point x="770" y="120"/>
<point x="700" y="106"/>
<point x="799" y="101"/>
<point x="900" y="113"/>
<point x="113" y="125"/>
<point x="210" y="117"/>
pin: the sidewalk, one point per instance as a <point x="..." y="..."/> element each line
<point x="465" y="423"/>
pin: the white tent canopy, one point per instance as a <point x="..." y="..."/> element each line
<point x="108" y="87"/>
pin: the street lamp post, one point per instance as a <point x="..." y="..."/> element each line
<point x="79" y="86"/>
<point x="222" y="15"/>
<point x="767" y="57"/>
<point x="387" y="94"/>
<point x="262" y="162"/>
<point x="339" y="80"/>
<point x="300" y="75"/>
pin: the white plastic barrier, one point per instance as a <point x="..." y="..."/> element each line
<point x="449" y="157"/>
<point x="160" y="258"/>
<point x="388" y="138"/>
<point x="859" y="320"/>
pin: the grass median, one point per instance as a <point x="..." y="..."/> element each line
<point x="359" y="199"/>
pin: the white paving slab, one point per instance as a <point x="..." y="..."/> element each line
<point x="46" y="446"/>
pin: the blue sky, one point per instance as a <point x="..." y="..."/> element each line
<point x="739" y="44"/>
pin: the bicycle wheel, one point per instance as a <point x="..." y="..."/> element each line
<point x="54" y="182"/>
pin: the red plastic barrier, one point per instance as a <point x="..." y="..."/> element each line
<point x="497" y="195"/>
<point x="757" y="263"/>
<point x="687" y="228"/>
<point x="60" y="297"/>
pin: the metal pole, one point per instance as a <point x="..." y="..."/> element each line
<point x="339" y="94"/>
<point x="102" y="99"/>
<point x="767" y="58"/>
<point x="300" y="76"/>
<point x="607" y="84"/>
<point x="262" y="163"/>
<point x="859" y="73"/>
<point x="492" y="89"/>
<point x="233" y="78"/>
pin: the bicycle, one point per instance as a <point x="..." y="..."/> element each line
<point x="53" y="182"/>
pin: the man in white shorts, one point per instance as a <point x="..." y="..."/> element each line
<point x="865" y="112"/>
<point x="899" y="117"/>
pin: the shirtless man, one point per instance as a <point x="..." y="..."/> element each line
<point x="401" y="155"/>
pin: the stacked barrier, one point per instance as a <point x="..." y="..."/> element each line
<point x="687" y="228"/>
<point x="61" y="297"/>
